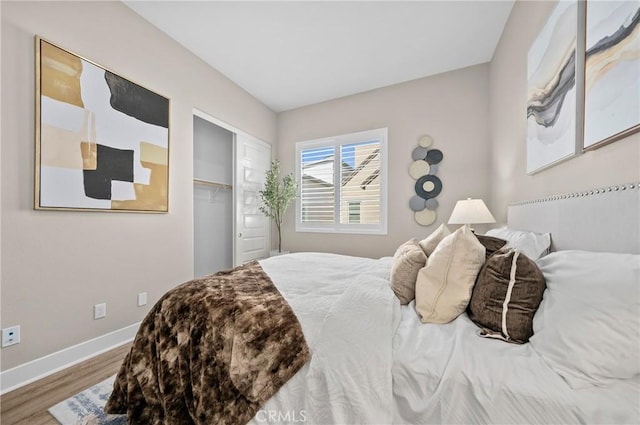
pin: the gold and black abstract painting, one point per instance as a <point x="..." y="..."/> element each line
<point x="102" y="141"/>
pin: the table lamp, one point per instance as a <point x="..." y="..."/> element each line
<point x="471" y="211"/>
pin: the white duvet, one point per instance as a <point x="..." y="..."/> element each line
<point x="349" y="315"/>
<point x="374" y="362"/>
<point x="447" y="374"/>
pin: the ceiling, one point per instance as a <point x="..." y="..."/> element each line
<point x="289" y="54"/>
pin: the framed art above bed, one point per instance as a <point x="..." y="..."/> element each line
<point x="583" y="80"/>
<point x="552" y="108"/>
<point x="102" y="141"/>
<point x="612" y="72"/>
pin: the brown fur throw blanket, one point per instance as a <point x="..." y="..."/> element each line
<point x="211" y="351"/>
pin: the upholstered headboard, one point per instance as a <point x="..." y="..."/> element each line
<point x="602" y="220"/>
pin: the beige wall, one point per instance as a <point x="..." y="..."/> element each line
<point x="451" y="107"/>
<point x="57" y="265"/>
<point x="616" y="163"/>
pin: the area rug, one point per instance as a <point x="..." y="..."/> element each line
<point x="87" y="407"/>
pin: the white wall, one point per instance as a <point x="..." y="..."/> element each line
<point x="57" y="265"/>
<point x="451" y="107"/>
<point x="616" y="163"/>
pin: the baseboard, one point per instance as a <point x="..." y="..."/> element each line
<point x="29" y="372"/>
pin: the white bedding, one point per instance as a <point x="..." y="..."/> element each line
<point x="448" y="374"/>
<point x="348" y="379"/>
<point x="374" y="362"/>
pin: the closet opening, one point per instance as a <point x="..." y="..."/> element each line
<point x="229" y="170"/>
<point x="212" y="197"/>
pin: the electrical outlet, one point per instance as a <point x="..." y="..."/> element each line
<point x="10" y="336"/>
<point x="142" y="299"/>
<point x="99" y="311"/>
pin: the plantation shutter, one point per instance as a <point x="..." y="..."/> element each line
<point x="317" y="189"/>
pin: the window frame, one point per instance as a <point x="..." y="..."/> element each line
<point x="379" y="134"/>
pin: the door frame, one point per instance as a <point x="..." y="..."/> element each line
<point x="236" y="131"/>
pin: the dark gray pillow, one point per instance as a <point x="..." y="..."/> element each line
<point x="510" y="321"/>
<point x="491" y="244"/>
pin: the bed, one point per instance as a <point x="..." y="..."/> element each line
<point x="374" y="361"/>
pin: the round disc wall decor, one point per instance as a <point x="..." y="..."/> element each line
<point x="425" y="217"/>
<point x="428" y="185"/>
<point x="419" y="153"/>
<point x="431" y="204"/>
<point x="419" y="168"/>
<point x="417" y="203"/>
<point x="425" y="141"/>
<point x="434" y="156"/>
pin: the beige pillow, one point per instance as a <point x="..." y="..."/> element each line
<point x="444" y="285"/>
<point x="429" y="243"/>
<point x="407" y="262"/>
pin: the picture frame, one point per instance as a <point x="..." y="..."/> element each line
<point x="102" y="141"/>
<point x="552" y="108"/>
<point x="612" y="72"/>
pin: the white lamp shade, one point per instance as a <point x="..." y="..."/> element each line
<point x="471" y="211"/>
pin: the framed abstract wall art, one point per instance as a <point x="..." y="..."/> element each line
<point x="612" y="71"/>
<point x="102" y="141"/>
<point x="551" y="90"/>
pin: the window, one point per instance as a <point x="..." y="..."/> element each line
<point x="347" y="198"/>
<point x="354" y="212"/>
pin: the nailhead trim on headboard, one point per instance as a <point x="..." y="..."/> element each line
<point x="590" y="192"/>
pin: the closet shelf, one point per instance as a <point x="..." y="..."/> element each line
<point x="212" y="184"/>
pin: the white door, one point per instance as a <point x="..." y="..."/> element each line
<point x="252" y="229"/>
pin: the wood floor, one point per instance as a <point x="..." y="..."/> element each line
<point x="30" y="404"/>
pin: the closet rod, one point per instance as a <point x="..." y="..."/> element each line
<point x="214" y="184"/>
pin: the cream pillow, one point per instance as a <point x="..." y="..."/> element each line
<point x="407" y="262"/>
<point x="444" y="285"/>
<point x="429" y="243"/>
